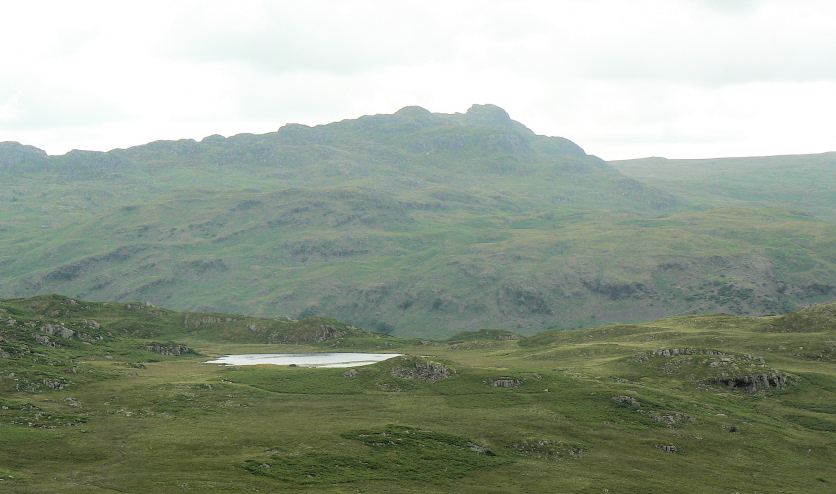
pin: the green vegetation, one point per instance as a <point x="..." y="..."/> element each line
<point x="417" y="225"/>
<point x="801" y="183"/>
<point x="713" y="402"/>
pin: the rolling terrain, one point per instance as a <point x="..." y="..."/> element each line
<point x="801" y="183"/>
<point x="411" y="224"/>
<point x="115" y="397"/>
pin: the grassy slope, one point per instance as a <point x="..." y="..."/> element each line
<point x="590" y="409"/>
<point x="802" y="182"/>
<point x="416" y="224"/>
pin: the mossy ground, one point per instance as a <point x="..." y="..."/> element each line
<point x="589" y="413"/>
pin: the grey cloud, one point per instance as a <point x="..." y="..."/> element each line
<point x="291" y="40"/>
<point x="51" y="105"/>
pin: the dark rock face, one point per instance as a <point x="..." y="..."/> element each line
<point x="172" y="349"/>
<point x="754" y="382"/>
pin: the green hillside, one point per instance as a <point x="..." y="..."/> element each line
<point x="414" y="224"/>
<point x="103" y="397"/>
<point x="801" y="183"/>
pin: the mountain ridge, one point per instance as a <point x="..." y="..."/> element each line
<point x="414" y="223"/>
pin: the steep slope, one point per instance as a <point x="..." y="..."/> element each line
<point x="415" y="224"/>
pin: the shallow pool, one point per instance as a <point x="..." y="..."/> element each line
<point x="305" y="359"/>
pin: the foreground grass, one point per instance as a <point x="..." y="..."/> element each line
<point x="586" y="410"/>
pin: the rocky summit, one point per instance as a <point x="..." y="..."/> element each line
<point x="415" y="224"/>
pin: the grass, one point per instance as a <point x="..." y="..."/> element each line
<point x="586" y="410"/>
<point x="487" y="226"/>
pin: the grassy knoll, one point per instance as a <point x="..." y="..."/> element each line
<point x="746" y="402"/>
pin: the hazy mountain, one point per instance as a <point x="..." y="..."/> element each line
<point x="415" y="223"/>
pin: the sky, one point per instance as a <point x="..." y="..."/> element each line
<point x="623" y="79"/>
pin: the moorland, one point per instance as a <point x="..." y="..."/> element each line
<point x="560" y="323"/>
<point x="115" y="397"/>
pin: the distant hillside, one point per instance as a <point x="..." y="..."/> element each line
<point x="799" y="182"/>
<point x="414" y="224"/>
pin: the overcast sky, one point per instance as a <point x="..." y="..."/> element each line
<point x="623" y="79"/>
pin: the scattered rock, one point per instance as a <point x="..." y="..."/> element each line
<point x="674" y="418"/>
<point x="667" y="448"/>
<point x="672" y="352"/>
<point x="506" y="382"/>
<point x="732" y="428"/>
<point x="57" y="330"/>
<point x="194" y="322"/>
<point x="171" y="349"/>
<point x="546" y="449"/>
<point x="350" y="373"/>
<point x="317" y="335"/>
<point x="44" y="340"/>
<point x="481" y="449"/>
<point x="626" y="399"/>
<point x="56" y="385"/>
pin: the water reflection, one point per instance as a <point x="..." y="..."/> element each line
<point x="305" y="359"/>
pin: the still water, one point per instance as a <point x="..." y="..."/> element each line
<point x="305" y="359"/>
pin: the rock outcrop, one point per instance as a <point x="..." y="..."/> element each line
<point x="753" y="382"/>
<point x="506" y="382"/>
<point x="44" y="340"/>
<point x="424" y="370"/>
<point x="170" y="349"/>
<point x="57" y="330"/>
<point x="316" y="335"/>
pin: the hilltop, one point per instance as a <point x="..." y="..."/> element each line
<point x="414" y="224"/>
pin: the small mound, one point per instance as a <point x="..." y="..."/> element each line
<point x="816" y="318"/>
<point x="419" y="368"/>
<point x="390" y="452"/>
